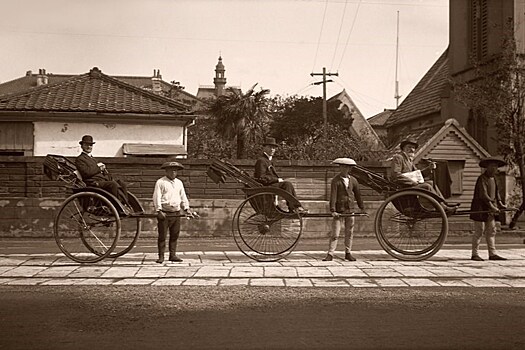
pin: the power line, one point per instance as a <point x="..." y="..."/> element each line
<point x="166" y="37"/>
<point x="349" y="33"/>
<point x="347" y="86"/>
<point x="338" y="35"/>
<point x="320" y="33"/>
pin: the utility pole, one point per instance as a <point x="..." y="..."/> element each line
<point x="325" y="113"/>
<point x="397" y="96"/>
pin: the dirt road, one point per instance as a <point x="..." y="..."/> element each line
<point x="146" y="317"/>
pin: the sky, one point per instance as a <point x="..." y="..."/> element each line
<point x="274" y="43"/>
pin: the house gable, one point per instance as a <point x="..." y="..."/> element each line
<point x="360" y="125"/>
<point x="460" y="135"/>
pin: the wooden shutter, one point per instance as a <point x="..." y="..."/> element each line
<point x="484" y="30"/>
<point x="473" y="28"/>
<point x="478" y="28"/>
<point x="16" y="137"/>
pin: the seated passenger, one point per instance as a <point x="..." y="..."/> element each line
<point x="266" y="175"/>
<point x="403" y="162"/>
<point x="95" y="174"/>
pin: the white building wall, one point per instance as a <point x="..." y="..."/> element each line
<point x="63" y="138"/>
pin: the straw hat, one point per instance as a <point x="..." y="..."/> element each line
<point x="344" y="161"/>
<point x="497" y="160"/>
<point x="176" y="165"/>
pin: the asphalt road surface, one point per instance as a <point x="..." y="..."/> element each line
<point x="154" y="317"/>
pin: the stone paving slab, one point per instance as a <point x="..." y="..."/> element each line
<point x="449" y="268"/>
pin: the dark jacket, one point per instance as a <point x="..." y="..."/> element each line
<point x="265" y="172"/>
<point x="342" y="198"/>
<point x="482" y="201"/>
<point x="89" y="170"/>
<point x="401" y="164"/>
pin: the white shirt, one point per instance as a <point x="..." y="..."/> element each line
<point x="169" y="195"/>
<point x="346" y="181"/>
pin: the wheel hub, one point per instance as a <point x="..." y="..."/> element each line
<point x="263" y="228"/>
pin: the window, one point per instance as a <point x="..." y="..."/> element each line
<point x="477" y="127"/>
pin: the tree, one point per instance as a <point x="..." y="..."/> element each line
<point x="295" y="122"/>
<point x="314" y="146"/>
<point x="240" y="117"/>
<point x="298" y="123"/>
<point x="297" y="116"/>
<point x="498" y="94"/>
<point x="204" y="143"/>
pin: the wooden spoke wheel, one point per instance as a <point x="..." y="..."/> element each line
<point x="87" y="227"/>
<point x="263" y="231"/>
<point x="411" y="225"/>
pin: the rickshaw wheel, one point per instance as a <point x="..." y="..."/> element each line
<point x="411" y="225"/>
<point x="87" y="227"/>
<point x="129" y="234"/>
<point x="264" y="232"/>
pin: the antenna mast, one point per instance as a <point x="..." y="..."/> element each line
<point x="396" y="92"/>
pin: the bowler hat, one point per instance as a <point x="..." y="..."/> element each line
<point x="344" y="161"/>
<point x="408" y="141"/>
<point x="87" y="139"/>
<point x="497" y="160"/>
<point x="270" y="141"/>
<point x="172" y="165"/>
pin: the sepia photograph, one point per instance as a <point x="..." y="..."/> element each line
<point x="262" y="174"/>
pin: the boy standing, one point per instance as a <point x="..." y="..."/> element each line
<point x="486" y="198"/>
<point x="169" y="198"/>
<point x="344" y="192"/>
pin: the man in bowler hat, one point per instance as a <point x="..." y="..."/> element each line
<point x="94" y="173"/>
<point x="266" y="174"/>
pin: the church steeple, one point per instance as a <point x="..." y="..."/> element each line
<point x="220" y="79"/>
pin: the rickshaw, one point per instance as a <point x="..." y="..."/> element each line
<point x="92" y="224"/>
<point x="410" y="224"/>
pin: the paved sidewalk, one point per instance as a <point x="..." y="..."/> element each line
<point x="374" y="268"/>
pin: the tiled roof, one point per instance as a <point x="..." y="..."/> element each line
<point x="380" y="118"/>
<point x="208" y="91"/>
<point x="30" y="80"/>
<point x="425" y="98"/>
<point x="90" y="92"/>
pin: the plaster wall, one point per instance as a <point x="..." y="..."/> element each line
<point x="62" y="138"/>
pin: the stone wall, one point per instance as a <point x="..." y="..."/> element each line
<point x="29" y="201"/>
